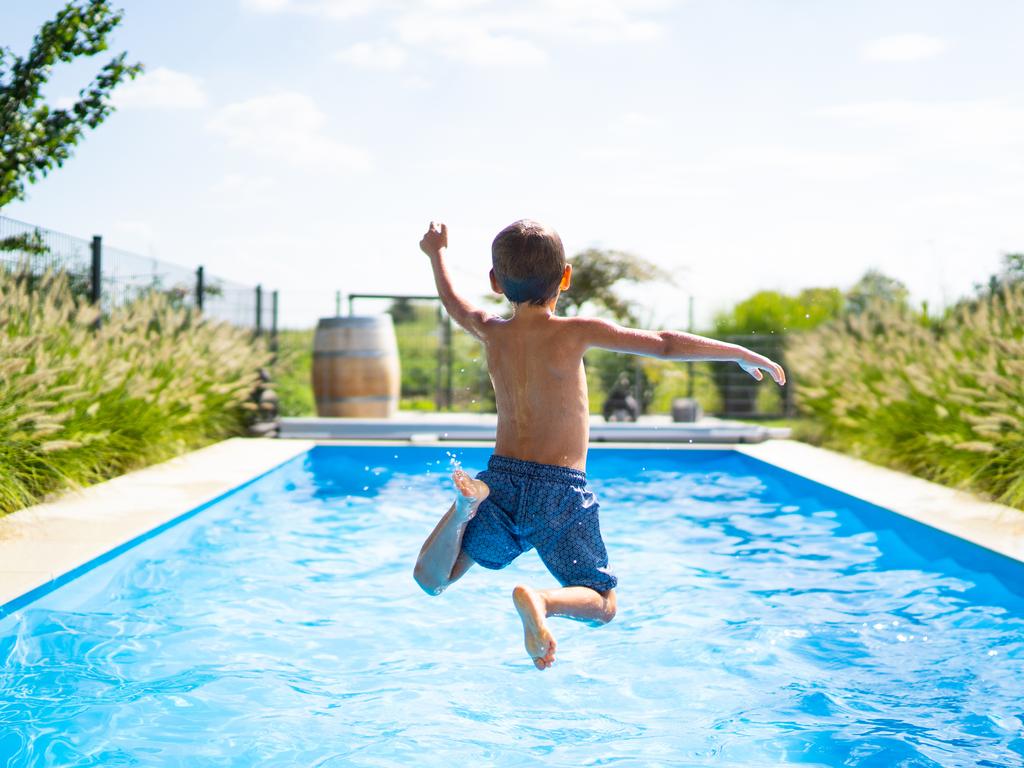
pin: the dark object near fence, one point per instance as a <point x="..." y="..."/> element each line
<point x="355" y="367"/>
<point x="686" y="409"/>
<point x="620" y="404"/>
<point x="265" y="416"/>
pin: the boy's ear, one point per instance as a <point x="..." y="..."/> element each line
<point x="495" y="286"/>
<point x="566" y="278"/>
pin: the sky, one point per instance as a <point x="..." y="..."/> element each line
<point x="743" y="145"/>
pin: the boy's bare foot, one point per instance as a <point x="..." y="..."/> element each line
<point x="471" y="493"/>
<point x="540" y="643"/>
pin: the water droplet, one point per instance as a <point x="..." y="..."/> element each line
<point x="366" y="487"/>
<point x="366" y="468"/>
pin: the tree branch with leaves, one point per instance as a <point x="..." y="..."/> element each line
<point x="596" y="275"/>
<point x="35" y="137"/>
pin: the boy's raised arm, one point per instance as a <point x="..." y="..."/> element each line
<point x="676" y="345"/>
<point x="434" y="244"/>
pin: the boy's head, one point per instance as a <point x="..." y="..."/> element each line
<point x="529" y="263"/>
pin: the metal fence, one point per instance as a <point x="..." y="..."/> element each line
<point x="112" y="277"/>
<point x="444" y="368"/>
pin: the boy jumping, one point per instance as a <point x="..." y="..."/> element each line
<point x="533" y="493"/>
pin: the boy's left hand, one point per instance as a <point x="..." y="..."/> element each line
<point x="752" y="363"/>
<point x="435" y="239"/>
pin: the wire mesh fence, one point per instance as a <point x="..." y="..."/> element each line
<point x="112" y="277"/>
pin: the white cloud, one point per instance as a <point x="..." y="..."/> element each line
<point x="981" y="124"/>
<point x="597" y="21"/>
<point x="635" y="123"/>
<point x="265" y="6"/>
<point x="490" y="32"/>
<point x="331" y="9"/>
<point x="161" y="88"/>
<point x="379" y="55"/>
<point x="469" y="39"/>
<point x="286" y="126"/>
<point x="903" y="48"/>
<point x="237" y="191"/>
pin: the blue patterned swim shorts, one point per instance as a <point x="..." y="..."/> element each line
<point x="545" y="507"/>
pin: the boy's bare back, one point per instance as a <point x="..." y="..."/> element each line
<point x="535" y="360"/>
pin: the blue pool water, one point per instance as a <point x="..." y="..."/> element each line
<point x="763" y="620"/>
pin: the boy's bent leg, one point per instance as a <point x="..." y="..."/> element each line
<point x="580" y="603"/>
<point x="535" y="606"/>
<point x="441" y="560"/>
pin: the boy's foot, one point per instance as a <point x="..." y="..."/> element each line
<point x="540" y="643"/>
<point x="471" y="493"/>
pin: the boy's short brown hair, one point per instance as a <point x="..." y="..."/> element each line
<point x="528" y="260"/>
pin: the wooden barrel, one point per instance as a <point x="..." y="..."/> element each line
<point x="355" y="367"/>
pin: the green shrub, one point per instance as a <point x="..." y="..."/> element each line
<point x="941" y="399"/>
<point x="80" y="404"/>
<point x="292" y="372"/>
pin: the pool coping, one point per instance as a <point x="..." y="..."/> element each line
<point x="48" y="544"/>
<point x="42" y="544"/>
<point x="990" y="525"/>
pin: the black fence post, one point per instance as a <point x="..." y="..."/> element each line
<point x="96" y="285"/>
<point x="438" y="391"/>
<point x="273" y="322"/>
<point x="689" y="365"/>
<point x="200" y="289"/>
<point x="259" y="310"/>
<point x="449" y="395"/>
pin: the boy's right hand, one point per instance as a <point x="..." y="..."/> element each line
<point x="435" y="240"/>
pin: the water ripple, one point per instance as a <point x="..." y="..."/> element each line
<point x="763" y="620"/>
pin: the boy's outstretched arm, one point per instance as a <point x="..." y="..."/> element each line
<point x="675" y="345"/>
<point x="434" y="244"/>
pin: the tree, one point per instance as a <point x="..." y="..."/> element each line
<point x="875" y="288"/>
<point x="35" y="138"/>
<point x="595" y="276"/>
<point x="771" y="312"/>
<point x="1011" y="273"/>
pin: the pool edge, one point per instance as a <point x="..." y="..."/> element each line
<point x="987" y="524"/>
<point x="50" y="544"/>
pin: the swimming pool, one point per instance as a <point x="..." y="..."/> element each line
<point x="763" y="619"/>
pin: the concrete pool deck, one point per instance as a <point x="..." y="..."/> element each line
<point x="42" y="543"/>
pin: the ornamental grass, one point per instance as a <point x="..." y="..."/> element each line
<point x="940" y="399"/>
<point x="81" y="402"/>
